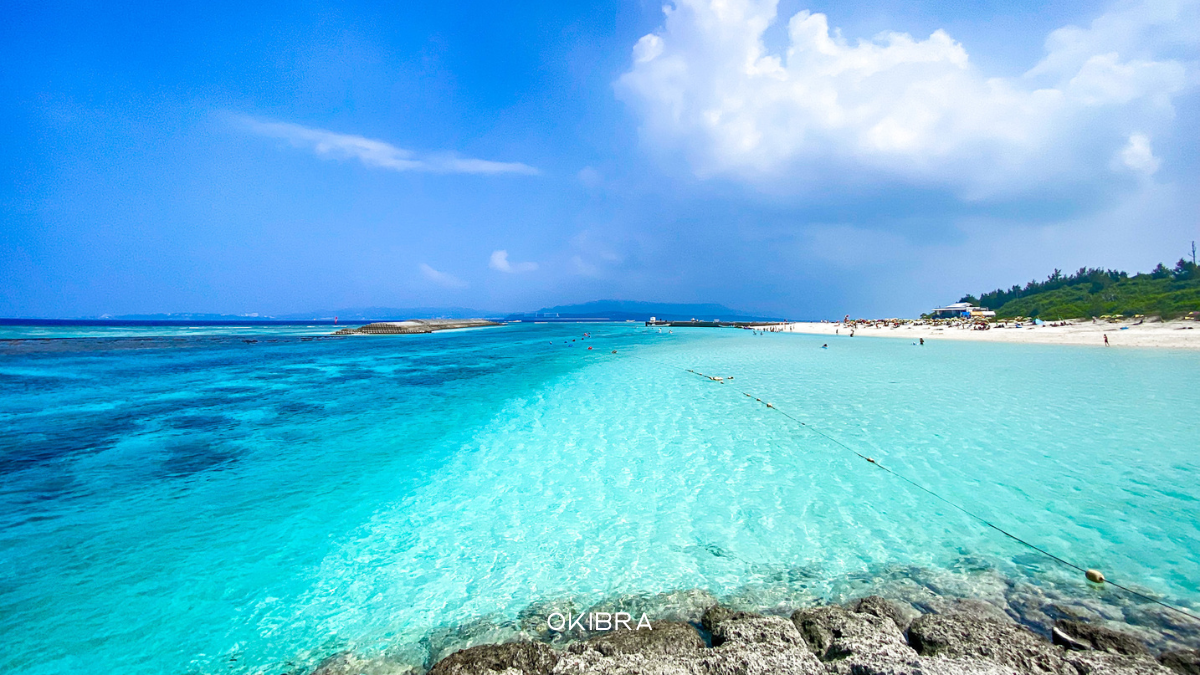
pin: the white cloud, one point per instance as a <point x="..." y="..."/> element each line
<point x="706" y="87"/>
<point x="441" y="278"/>
<point x="1138" y="155"/>
<point x="377" y="154"/>
<point x="499" y="261"/>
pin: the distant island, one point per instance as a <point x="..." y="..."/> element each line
<point x="1093" y="292"/>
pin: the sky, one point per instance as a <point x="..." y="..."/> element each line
<point x="803" y="159"/>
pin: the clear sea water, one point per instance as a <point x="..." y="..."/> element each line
<point x="252" y="503"/>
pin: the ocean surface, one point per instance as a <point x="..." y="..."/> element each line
<point x="178" y="500"/>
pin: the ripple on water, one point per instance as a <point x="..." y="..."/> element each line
<point x="235" y="506"/>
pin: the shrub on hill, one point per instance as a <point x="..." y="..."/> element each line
<point x="1090" y="292"/>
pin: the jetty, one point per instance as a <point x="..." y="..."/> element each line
<point x="413" y="326"/>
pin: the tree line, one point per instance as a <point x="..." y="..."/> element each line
<point x="1094" y="278"/>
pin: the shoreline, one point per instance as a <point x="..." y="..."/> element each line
<point x="1125" y="334"/>
<point x="867" y="636"/>
<point x="917" y="621"/>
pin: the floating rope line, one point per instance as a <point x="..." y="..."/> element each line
<point x="1092" y="575"/>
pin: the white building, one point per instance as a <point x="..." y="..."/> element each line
<point x="961" y="310"/>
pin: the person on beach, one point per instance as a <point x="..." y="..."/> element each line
<point x="1106" y="340"/>
<point x="922" y="342"/>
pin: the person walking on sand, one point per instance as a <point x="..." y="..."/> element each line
<point x="1106" y="340"/>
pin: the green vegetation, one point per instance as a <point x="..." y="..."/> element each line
<point x="1164" y="292"/>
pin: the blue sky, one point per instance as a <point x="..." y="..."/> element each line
<point x="803" y="159"/>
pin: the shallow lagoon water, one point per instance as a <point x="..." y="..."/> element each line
<point x="207" y="504"/>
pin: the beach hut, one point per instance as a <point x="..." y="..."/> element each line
<point x="961" y="310"/>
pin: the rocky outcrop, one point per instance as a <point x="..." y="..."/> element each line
<point x="979" y="637"/>
<point x="666" y="639"/>
<point x="870" y="636"/>
<point x="877" y="606"/>
<point x="719" y="613"/>
<point x="1182" y="661"/>
<point x="514" y="658"/>
<point x="749" y="645"/>
<point x="1081" y="636"/>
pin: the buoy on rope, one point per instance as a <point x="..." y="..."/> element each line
<point x="871" y="460"/>
<point x="1095" y="576"/>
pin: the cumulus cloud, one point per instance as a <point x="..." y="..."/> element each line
<point x="377" y="154"/>
<point x="499" y="262"/>
<point x="1138" y="155"/>
<point x="441" y="278"/>
<point x="706" y="87"/>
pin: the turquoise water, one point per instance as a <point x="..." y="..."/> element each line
<point x="205" y="504"/>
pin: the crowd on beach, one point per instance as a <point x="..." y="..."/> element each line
<point x="1119" y="331"/>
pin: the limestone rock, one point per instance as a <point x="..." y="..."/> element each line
<point x="877" y="606"/>
<point x="1079" y="635"/>
<point x="968" y="635"/>
<point x="666" y="638"/>
<point x="774" y="630"/>
<point x="750" y="645"/>
<point x="718" y="613"/>
<point x="528" y="658"/>
<point x="835" y="633"/>
<point x="1182" y="661"/>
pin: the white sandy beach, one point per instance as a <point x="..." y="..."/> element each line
<point x="1167" y="335"/>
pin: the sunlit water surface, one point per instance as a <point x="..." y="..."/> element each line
<point x="255" y="502"/>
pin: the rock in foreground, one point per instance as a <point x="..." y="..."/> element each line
<point x="865" y="637"/>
